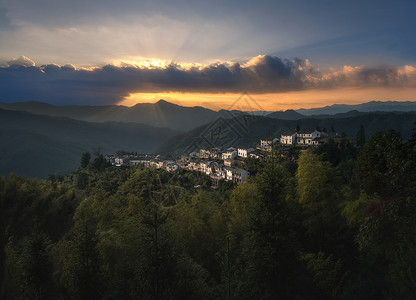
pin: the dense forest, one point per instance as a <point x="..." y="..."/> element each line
<point x="337" y="222"/>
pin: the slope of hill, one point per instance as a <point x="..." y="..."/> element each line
<point x="36" y="145"/>
<point x="372" y="106"/>
<point x="243" y="131"/>
<point x="289" y="114"/>
<point x="160" y="114"/>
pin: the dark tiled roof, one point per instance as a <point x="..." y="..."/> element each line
<point x="305" y="131"/>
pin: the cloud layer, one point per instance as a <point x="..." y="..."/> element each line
<point x="22" y="80"/>
<point x="95" y="32"/>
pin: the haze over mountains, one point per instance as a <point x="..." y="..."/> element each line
<point x="39" y="139"/>
<point x="160" y="114"/>
<point x="363" y="107"/>
<point x="166" y="114"/>
<point x="38" y="145"/>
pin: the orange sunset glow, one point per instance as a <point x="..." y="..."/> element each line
<point x="275" y="101"/>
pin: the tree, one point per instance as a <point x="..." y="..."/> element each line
<point x="360" y="136"/>
<point x="85" y="159"/>
<point x="269" y="263"/>
<point x="386" y="242"/>
<point x="33" y="263"/>
<point x="81" y="261"/>
<point x="27" y="206"/>
<point x="318" y="194"/>
<point x="121" y="153"/>
<point x="3" y="207"/>
<point x="326" y="273"/>
<point x="315" y="180"/>
<point x="82" y="180"/>
<point x="382" y="166"/>
<point x="199" y="229"/>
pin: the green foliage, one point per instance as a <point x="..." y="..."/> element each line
<point x="387" y="241"/>
<point x="267" y="263"/>
<point x="327" y="226"/>
<point x="326" y="273"/>
<point x="34" y="215"/>
<point x="382" y="165"/>
<point x="39" y="145"/>
<point x="81" y="274"/>
<point x="320" y="198"/>
<point x="199" y="229"/>
<point x="30" y="268"/>
<point x="316" y="181"/>
<point x="357" y="210"/>
<point x="360" y="139"/>
<point x="85" y="159"/>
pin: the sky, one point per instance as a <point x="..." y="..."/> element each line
<point x="284" y="54"/>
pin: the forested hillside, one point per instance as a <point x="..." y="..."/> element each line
<point x="339" y="222"/>
<point x="38" y="146"/>
<point x="247" y="130"/>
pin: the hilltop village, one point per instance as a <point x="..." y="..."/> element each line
<point x="226" y="164"/>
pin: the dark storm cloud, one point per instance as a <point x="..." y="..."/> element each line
<point x="21" y="80"/>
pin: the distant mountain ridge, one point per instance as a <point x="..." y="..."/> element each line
<point x="39" y="145"/>
<point x="289" y="114"/>
<point x="166" y="114"/>
<point x="160" y="114"/>
<point x="372" y="106"/>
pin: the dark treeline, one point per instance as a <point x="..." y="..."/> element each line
<point x="339" y="222"/>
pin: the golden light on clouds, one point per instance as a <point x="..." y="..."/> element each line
<point x="153" y="63"/>
<point x="276" y="101"/>
<point x="140" y="62"/>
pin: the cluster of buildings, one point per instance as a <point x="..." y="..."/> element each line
<point x="215" y="170"/>
<point x="220" y="164"/>
<point x="301" y="137"/>
<point x="199" y="162"/>
<point x="227" y="154"/>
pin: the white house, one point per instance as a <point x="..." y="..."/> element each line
<point x="228" y="162"/>
<point x="268" y="142"/>
<point x="193" y="165"/>
<point x="206" y="167"/>
<point x="171" y="167"/>
<point x="204" y="153"/>
<point x="244" y="152"/>
<point x="303" y="137"/>
<point x="288" y="138"/>
<point x="306" y="137"/>
<point x="240" y="175"/>
<point x="229" y="154"/>
<point x="228" y="173"/>
<point x="236" y="174"/>
<point x="218" y="168"/>
<point x="119" y="161"/>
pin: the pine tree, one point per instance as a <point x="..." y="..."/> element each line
<point x="360" y="136"/>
